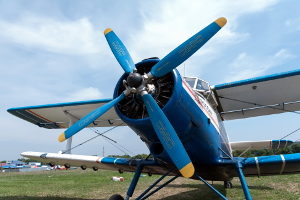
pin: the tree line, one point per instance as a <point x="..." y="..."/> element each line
<point x="294" y="148"/>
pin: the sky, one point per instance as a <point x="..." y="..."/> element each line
<point x="55" y="51"/>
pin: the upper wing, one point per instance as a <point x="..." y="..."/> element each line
<point x="118" y="164"/>
<point x="259" y="96"/>
<point x="54" y="116"/>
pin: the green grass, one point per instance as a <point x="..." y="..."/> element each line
<point x="80" y="185"/>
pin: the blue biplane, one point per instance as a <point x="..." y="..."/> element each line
<point x="180" y="119"/>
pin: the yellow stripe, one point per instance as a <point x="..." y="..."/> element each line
<point x="221" y="21"/>
<point x="107" y="31"/>
<point x="188" y="170"/>
<point x="62" y="137"/>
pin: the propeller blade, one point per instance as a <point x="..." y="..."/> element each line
<point x="119" y="50"/>
<point x="89" y="118"/>
<point x="168" y="137"/>
<point x="186" y="49"/>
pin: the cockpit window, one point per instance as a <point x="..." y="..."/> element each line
<point x="202" y="85"/>
<point x="190" y="81"/>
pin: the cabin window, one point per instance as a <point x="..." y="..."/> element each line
<point x="202" y="85"/>
<point x="190" y="81"/>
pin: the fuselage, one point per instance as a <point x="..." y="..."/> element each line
<point x="195" y="119"/>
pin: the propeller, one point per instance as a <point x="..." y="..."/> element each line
<point x="168" y="137"/>
<point x="119" y="50"/>
<point x="186" y="49"/>
<point x="89" y="118"/>
<point x="143" y="85"/>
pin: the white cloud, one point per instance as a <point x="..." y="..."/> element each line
<point x="179" y="19"/>
<point x="66" y="37"/>
<point x="89" y="93"/>
<point x="247" y="66"/>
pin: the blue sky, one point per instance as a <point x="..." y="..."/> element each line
<point x="55" y="51"/>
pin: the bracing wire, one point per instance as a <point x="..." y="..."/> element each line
<point x="125" y="153"/>
<point x="100" y="134"/>
<point x="256" y="104"/>
<point x="294" y="131"/>
<point x="115" y="143"/>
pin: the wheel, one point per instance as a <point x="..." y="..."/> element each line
<point x="95" y="168"/>
<point x="116" y="197"/>
<point x="228" y="184"/>
<point x="83" y="167"/>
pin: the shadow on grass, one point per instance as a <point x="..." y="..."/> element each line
<point x="42" y="198"/>
<point x="187" y="185"/>
<point x="254" y="187"/>
<point x="200" y="192"/>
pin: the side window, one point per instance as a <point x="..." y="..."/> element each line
<point x="202" y="85"/>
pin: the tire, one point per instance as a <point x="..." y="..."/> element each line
<point x="228" y="184"/>
<point x="116" y="197"/>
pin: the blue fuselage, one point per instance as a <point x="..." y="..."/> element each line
<point x="197" y="124"/>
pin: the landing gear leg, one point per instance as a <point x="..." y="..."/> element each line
<point x="243" y="181"/>
<point x="212" y="188"/>
<point x="134" y="181"/>
<point x="132" y="186"/>
<point x="227" y="184"/>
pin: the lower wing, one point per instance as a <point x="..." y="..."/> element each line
<point x="96" y="162"/>
<point x="272" y="165"/>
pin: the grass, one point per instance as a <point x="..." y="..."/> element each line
<point x="81" y="185"/>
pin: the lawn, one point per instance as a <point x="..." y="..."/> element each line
<point x="80" y="185"/>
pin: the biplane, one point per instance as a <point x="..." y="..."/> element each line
<point x="180" y="119"/>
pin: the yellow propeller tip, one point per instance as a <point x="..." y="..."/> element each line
<point x="107" y="31"/>
<point x="188" y="170"/>
<point x="221" y="21"/>
<point x="61" y="137"/>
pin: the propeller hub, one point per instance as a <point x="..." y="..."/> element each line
<point x="134" y="80"/>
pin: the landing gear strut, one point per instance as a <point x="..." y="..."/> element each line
<point x="147" y="193"/>
<point x="239" y="168"/>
